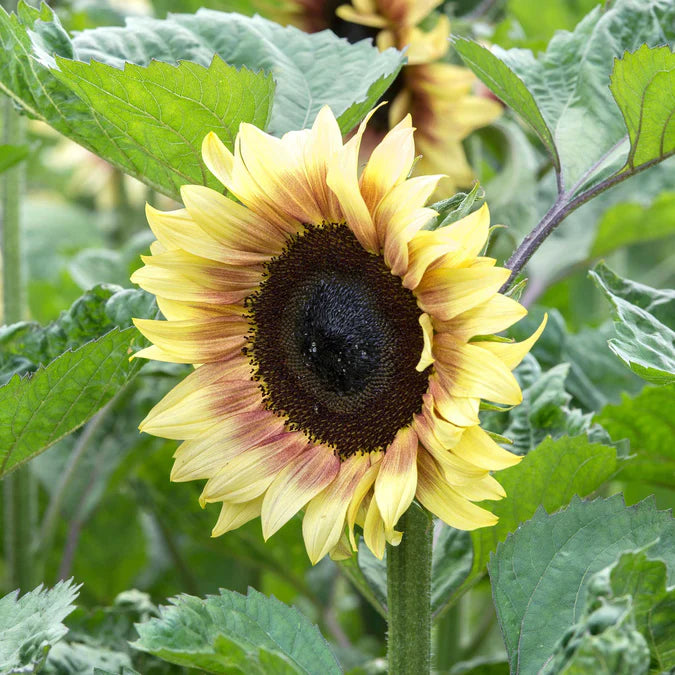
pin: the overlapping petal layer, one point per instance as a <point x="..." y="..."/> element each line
<point x="217" y="254"/>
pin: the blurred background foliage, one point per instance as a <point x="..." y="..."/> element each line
<point x="107" y="514"/>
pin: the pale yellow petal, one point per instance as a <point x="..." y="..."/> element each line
<point x="442" y="500"/>
<point x="478" y="490"/>
<point x="512" y="353"/>
<point x="397" y="479"/>
<point x="218" y="159"/>
<point x="301" y="480"/>
<point x="477" y="447"/>
<point x="233" y="516"/>
<point x="427" y="357"/>
<point x="324" y="519"/>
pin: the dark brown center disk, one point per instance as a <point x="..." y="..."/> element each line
<point x="334" y="342"/>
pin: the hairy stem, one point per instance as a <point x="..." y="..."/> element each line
<point x="563" y="206"/>
<point x="409" y="596"/>
<point x="20" y="498"/>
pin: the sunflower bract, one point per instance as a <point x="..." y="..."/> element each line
<point x="331" y="339"/>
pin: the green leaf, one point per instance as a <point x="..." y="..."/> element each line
<point x="450" y="564"/>
<point x="26" y="345"/>
<point x="39" y="409"/>
<point x="646" y="421"/>
<point x="541" y="573"/>
<point x="546" y="410"/>
<point x="549" y="476"/>
<point x="645" y="581"/>
<point x="10" y="155"/>
<point x="310" y="70"/>
<point x="644" y="344"/>
<point x="563" y="93"/>
<point x="624" y="224"/>
<point x="235" y="633"/>
<point x="31" y="624"/>
<point x="154" y="118"/>
<point x="604" y="641"/>
<point x="76" y="658"/>
<point x="643" y="85"/>
<point x="149" y="122"/>
<point x="510" y="88"/>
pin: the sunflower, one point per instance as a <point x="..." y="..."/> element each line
<point x="336" y="370"/>
<point x="438" y="95"/>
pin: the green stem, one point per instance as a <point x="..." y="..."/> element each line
<point x="409" y="596"/>
<point x="19" y="489"/>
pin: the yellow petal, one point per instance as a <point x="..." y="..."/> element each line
<point x="342" y="179"/>
<point x="247" y="237"/>
<point x="324" y="519"/>
<point x="301" y="480"/>
<point x="389" y="163"/>
<point x="469" y="370"/>
<point x="373" y="530"/>
<point x="478" y="490"/>
<point x="459" y="410"/>
<point x="437" y="496"/>
<point x="360" y="492"/>
<point x="427" y="357"/>
<point x="512" y="353"/>
<point x="218" y="159"/>
<point x="205" y="456"/>
<point x="249" y="474"/>
<point x="397" y="479"/>
<point x="477" y="447"/>
<point x="233" y="516"/>
<point x="348" y="13"/>
<point x="445" y="292"/>
<point x="492" y="316"/>
<point x="199" y="341"/>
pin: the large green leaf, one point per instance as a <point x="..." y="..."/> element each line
<point x="645" y="581"/>
<point x="540" y="574"/>
<point x="632" y="223"/>
<point x="643" y="85"/>
<point x="644" y="343"/>
<point x="235" y="633"/>
<point x="646" y="421"/>
<point x="149" y="122"/>
<point x="549" y="476"/>
<point x="26" y="345"/>
<point x="563" y="93"/>
<point x="39" y="409"/>
<point x="153" y="119"/>
<point x="31" y="624"/>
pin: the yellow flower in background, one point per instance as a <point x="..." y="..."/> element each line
<point x="331" y="338"/>
<point x="438" y="95"/>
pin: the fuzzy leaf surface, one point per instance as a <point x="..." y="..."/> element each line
<point x="564" y="93"/>
<point x="231" y="633"/>
<point x="646" y="421"/>
<point x="549" y="477"/>
<point x="310" y="70"/>
<point x="31" y="624"/>
<point x="643" y="85"/>
<point x="540" y="574"/>
<point x="644" y="343"/>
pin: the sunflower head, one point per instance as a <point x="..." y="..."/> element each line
<point x="332" y="338"/>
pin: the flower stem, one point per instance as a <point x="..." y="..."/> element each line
<point x="409" y="596"/>
<point x="19" y="489"/>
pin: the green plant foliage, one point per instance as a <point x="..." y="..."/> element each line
<point x="38" y="410"/>
<point x="156" y="117"/>
<point x="450" y="564"/>
<point x="150" y="121"/>
<point x="645" y="344"/>
<point x="549" y="476"/>
<point x="31" y="624"/>
<point x="646" y="421"/>
<point x="649" y="116"/>
<point x="310" y="70"/>
<point x="645" y="581"/>
<point x="541" y="573"/>
<point x="10" y="155"/>
<point x="563" y="93"/>
<point x="27" y="345"/>
<point x="231" y="632"/>
<point x="546" y="410"/>
<point x="624" y="224"/>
